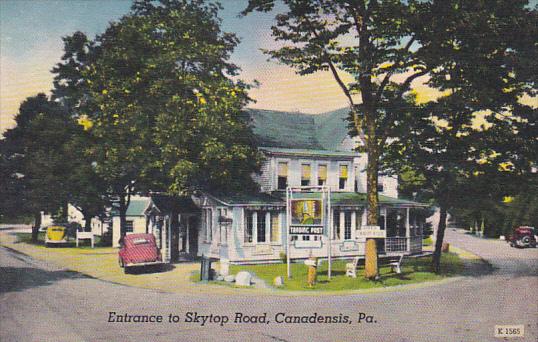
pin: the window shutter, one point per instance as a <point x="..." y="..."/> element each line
<point x="322" y="172"/>
<point x="343" y="171"/>
<point x="283" y="169"/>
<point x="306" y="171"/>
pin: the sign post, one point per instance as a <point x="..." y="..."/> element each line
<point x="288" y="235"/>
<point x="307" y="215"/>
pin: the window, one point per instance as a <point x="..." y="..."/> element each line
<point x="381" y="221"/>
<point x="129" y="224"/>
<point x="322" y="175"/>
<point x="275" y="227"/>
<point x="209" y="224"/>
<point x="347" y="225"/>
<point x="358" y="219"/>
<point x="223" y="214"/>
<point x="249" y="226"/>
<point x="336" y="225"/>
<point x="260" y="227"/>
<point x="306" y="171"/>
<point x="379" y="187"/>
<point x="343" y="177"/>
<point x="282" y="176"/>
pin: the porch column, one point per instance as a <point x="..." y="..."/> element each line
<point x="254" y="227"/>
<point x="407" y="230"/>
<point x="353" y="224"/>
<point x="187" y="228"/>
<point x="342" y="225"/>
<point x="385" y="219"/>
<point x="268" y="227"/>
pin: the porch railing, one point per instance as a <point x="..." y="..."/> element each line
<point x="403" y="244"/>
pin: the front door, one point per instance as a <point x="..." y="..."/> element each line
<point x="193" y="236"/>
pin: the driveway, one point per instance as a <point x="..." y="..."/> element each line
<point x="39" y="302"/>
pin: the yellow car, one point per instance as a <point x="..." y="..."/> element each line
<point x="55" y="235"/>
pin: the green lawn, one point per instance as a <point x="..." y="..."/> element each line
<point x="413" y="271"/>
<point x="27" y="238"/>
<point x="427" y="241"/>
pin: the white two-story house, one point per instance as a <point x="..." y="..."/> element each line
<point x="299" y="150"/>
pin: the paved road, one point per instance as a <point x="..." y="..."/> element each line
<point x="39" y="302"/>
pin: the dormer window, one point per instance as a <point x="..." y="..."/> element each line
<point x="306" y="171"/>
<point x="342" y="184"/>
<point x="282" y="176"/>
<point x="322" y="175"/>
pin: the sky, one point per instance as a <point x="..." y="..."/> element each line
<point x="30" y="45"/>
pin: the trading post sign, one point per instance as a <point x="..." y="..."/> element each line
<point x="306" y="217"/>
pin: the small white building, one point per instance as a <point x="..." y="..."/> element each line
<point x="136" y="221"/>
<point x="98" y="225"/>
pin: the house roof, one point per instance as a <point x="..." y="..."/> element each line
<point x="249" y="199"/>
<point x="136" y="207"/>
<point x="305" y="152"/>
<point x="294" y="130"/>
<point x="359" y="199"/>
<point x="167" y="204"/>
<point x="337" y="199"/>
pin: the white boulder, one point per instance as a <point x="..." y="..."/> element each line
<point x="243" y="278"/>
<point x="279" y="281"/>
<point x="224" y="267"/>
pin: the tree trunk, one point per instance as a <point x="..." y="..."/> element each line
<point x="439" y="240"/>
<point x="87" y="222"/>
<point x="371" y="269"/>
<point x="371" y="190"/>
<point x="123" y="219"/>
<point x="64" y="218"/>
<point x="36" y="226"/>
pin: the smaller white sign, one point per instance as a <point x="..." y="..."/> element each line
<point x="367" y="227"/>
<point x="368" y="233"/>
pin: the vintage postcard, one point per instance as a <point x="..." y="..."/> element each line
<point x="268" y="170"/>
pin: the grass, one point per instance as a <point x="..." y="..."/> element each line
<point x="427" y="241"/>
<point x="413" y="271"/>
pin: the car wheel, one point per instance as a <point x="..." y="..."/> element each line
<point x="126" y="270"/>
<point x="512" y="244"/>
<point x="525" y="241"/>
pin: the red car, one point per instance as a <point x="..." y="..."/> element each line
<point x="523" y="236"/>
<point x="139" y="250"/>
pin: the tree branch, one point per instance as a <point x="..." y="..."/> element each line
<point x="342" y="85"/>
<point x="389" y="74"/>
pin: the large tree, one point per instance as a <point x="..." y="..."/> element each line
<point x="165" y="112"/>
<point x="86" y="189"/>
<point x="478" y="141"/>
<point x="385" y="46"/>
<point x="34" y="153"/>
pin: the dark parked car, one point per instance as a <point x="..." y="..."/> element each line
<point x="138" y="250"/>
<point x="523" y="236"/>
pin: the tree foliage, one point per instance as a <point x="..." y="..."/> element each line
<point x="33" y="153"/>
<point x="460" y="163"/>
<point x="165" y="112"/>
